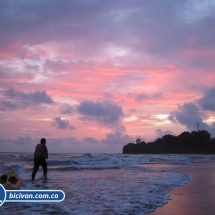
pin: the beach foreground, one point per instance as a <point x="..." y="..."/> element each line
<point x="195" y="198"/>
<point x="116" y="183"/>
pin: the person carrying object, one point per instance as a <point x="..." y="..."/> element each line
<point x="40" y="156"/>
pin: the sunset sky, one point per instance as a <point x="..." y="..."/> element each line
<point x="93" y="75"/>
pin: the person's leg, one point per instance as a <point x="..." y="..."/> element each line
<point x="44" y="166"/>
<point x="36" y="167"/>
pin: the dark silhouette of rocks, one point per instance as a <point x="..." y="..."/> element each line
<point x="186" y="143"/>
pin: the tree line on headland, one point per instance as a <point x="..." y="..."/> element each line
<point x="196" y="142"/>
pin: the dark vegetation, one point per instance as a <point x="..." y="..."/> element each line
<point x="186" y="143"/>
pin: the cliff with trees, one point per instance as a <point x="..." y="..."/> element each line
<point x="186" y="143"/>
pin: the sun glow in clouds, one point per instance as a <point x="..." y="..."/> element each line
<point x="161" y="116"/>
<point x="130" y="118"/>
<point x="104" y="72"/>
<point x="162" y="119"/>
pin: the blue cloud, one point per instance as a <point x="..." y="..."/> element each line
<point x="67" y="109"/>
<point x="207" y="102"/>
<point x="62" y="124"/>
<point x="39" y="97"/>
<point x="105" y="113"/>
<point x="14" y="99"/>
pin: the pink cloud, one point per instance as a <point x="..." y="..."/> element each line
<point x="128" y="58"/>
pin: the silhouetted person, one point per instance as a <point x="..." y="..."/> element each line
<point x="40" y="156"/>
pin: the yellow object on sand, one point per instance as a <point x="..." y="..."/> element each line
<point x="13" y="181"/>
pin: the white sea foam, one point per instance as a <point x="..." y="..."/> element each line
<point x="101" y="183"/>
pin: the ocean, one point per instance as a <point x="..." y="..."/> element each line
<point x="101" y="184"/>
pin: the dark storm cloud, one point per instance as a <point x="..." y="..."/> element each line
<point x="5" y="105"/>
<point x="187" y="114"/>
<point x="207" y="102"/>
<point x="39" y="97"/>
<point x="13" y="99"/>
<point x="106" y="113"/>
<point x="66" y="109"/>
<point x="62" y="124"/>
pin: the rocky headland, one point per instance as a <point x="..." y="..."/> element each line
<point x="196" y="142"/>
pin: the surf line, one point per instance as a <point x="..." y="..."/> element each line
<point x="22" y="165"/>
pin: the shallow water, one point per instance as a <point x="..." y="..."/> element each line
<point x="100" y="183"/>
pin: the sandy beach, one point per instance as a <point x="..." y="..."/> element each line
<point x="195" y="198"/>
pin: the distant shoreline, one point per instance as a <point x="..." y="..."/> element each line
<point x="186" y="143"/>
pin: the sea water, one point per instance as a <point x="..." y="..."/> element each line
<point x="100" y="183"/>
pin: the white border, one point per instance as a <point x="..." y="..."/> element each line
<point x="50" y="200"/>
<point x="1" y="203"/>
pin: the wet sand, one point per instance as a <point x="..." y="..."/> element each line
<point x="196" y="197"/>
